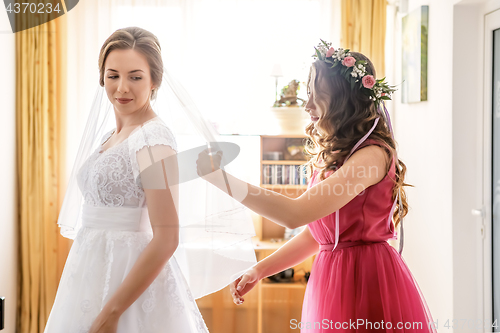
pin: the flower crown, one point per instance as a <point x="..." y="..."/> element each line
<point x="354" y="71"/>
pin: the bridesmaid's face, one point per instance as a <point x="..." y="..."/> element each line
<point x="127" y="76"/>
<point x="311" y="106"/>
<point x="315" y="106"/>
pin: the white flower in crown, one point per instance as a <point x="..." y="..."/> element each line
<point x="323" y="47"/>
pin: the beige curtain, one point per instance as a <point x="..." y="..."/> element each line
<point x="40" y="116"/>
<point x="363" y="30"/>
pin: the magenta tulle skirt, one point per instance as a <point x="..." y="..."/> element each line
<point x="363" y="288"/>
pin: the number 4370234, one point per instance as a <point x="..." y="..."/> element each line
<point x="32" y="8"/>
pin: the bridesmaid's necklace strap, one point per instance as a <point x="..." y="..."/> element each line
<point x="401" y="240"/>
<point x="337" y="227"/>
<point x="363" y="138"/>
<point x="337" y="215"/>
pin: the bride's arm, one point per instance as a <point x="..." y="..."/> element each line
<point x="365" y="167"/>
<point x="161" y="203"/>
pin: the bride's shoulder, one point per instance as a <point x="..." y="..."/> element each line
<point x="152" y="133"/>
<point x="156" y="124"/>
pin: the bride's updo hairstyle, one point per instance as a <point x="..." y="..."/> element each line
<point x="346" y="116"/>
<point x="140" y="40"/>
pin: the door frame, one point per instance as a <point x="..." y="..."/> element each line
<point x="491" y="23"/>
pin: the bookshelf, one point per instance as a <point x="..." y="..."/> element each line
<point x="283" y="175"/>
<point x="278" y="303"/>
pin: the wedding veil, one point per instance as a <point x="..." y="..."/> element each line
<point x="215" y="233"/>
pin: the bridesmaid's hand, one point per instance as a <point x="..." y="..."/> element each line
<point x="206" y="164"/>
<point x="243" y="285"/>
<point x="105" y="323"/>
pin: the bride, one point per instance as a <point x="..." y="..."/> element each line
<point x="121" y="274"/>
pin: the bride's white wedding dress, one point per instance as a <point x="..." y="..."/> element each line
<point x="115" y="230"/>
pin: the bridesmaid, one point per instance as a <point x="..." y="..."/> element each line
<point x="358" y="283"/>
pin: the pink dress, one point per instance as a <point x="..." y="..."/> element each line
<point x="363" y="285"/>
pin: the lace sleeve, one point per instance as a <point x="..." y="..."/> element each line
<point x="151" y="134"/>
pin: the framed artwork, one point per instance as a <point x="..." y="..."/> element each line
<point x="414" y="71"/>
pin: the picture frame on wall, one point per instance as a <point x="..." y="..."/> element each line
<point x="414" y="55"/>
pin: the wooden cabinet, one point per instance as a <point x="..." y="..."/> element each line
<point x="270" y="306"/>
<point x="278" y="303"/>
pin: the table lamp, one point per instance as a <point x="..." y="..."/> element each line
<point x="276" y="72"/>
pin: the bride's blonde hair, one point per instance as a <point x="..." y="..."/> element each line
<point x="142" y="41"/>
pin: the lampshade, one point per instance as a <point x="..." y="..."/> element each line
<point x="276" y="70"/>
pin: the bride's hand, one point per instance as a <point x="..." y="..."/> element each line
<point x="206" y="164"/>
<point x="243" y="285"/>
<point x="105" y="323"/>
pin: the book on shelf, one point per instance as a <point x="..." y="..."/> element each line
<point x="281" y="174"/>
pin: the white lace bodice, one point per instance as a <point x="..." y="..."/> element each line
<point x="111" y="177"/>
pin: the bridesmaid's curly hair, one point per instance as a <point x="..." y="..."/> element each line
<point x="348" y="115"/>
<point x="143" y="42"/>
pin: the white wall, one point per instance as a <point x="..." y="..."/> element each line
<point x="466" y="154"/>
<point x="423" y="133"/>
<point x="8" y="227"/>
<point x="439" y="140"/>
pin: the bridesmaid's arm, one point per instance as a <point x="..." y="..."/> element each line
<point x="295" y="251"/>
<point x="161" y="203"/>
<point x="292" y="253"/>
<point x="365" y="167"/>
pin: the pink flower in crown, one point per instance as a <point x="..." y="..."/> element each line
<point x="368" y="81"/>
<point x="330" y="52"/>
<point x="348" y="61"/>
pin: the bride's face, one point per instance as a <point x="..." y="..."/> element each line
<point x="127" y="80"/>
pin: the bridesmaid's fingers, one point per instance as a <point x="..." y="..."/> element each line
<point x="243" y="282"/>
<point x="237" y="299"/>
<point x="232" y="285"/>
<point x="234" y="293"/>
